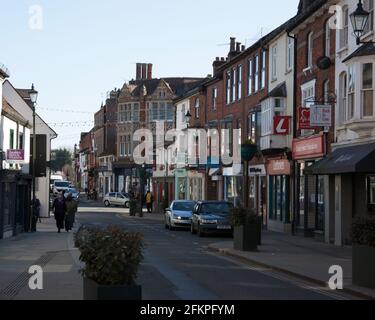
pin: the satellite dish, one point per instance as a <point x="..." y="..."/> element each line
<point x="324" y="63"/>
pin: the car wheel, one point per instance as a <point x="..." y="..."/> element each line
<point x="127" y="205"/>
<point x="106" y="203"/>
<point x="200" y="232"/>
<point x="192" y="230"/>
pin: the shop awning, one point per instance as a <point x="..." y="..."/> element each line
<point x="354" y="159"/>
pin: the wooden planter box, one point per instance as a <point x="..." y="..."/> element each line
<point x="364" y="266"/>
<point x="246" y="238"/>
<point x="94" y="291"/>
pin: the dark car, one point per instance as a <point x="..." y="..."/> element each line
<point x="211" y="217"/>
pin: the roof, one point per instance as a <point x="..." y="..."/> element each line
<point x="13" y="113"/>
<point x="363" y="51"/>
<point x="193" y="89"/>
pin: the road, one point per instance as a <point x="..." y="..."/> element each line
<point x="178" y="266"/>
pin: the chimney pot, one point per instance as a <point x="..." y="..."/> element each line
<point x="243" y="47"/>
<point x="238" y="47"/>
<point x="232" y="44"/>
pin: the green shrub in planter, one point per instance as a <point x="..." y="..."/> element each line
<point x="246" y="225"/>
<point x="364" y="252"/>
<point x="112" y="257"/>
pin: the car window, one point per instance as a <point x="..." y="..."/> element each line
<point x="184" y="206"/>
<point x="112" y="195"/>
<point x="221" y="207"/>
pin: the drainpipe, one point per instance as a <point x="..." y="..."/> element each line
<point x="295" y="111"/>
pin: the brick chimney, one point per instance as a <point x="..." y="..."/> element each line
<point x="144" y="71"/>
<point x="217" y="64"/>
<point x="235" y="48"/>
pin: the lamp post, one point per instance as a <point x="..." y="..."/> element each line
<point x="33" y="97"/>
<point x="359" y="19"/>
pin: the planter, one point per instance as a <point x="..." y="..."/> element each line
<point x="94" y="291"/>
<point x="364" y="266"/>
<point x="248" y="151"/>
<point x="246" y="238"/>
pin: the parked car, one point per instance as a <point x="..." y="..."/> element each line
<point x="117" y="199"/>
<point x="74" y="193"/>
<point x="211" y="217"/>
<point x="60" y="186"/>
<point x="179" y="214"/>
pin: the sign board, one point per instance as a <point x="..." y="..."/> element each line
<point x="15" y="156"/>
<point x="279" y="168"/>
<point x="309" y="148"/>
<point x="321" y="116"/>
<point x="281" y="125"/>
<point x="259" y="170"/>
<point x="304" y="118"/>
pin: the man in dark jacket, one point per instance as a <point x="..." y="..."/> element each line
<point x="59" y="209"/>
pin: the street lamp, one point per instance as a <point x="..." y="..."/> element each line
<point x="359" y="19"/>
<point x="33" y="97"/>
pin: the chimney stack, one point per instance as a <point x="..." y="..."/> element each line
<point x="217" y="64"/>
<point x="243" y="48"/>
<point x="232" y="44"/>
<point x="238" y="47"/>
<point x="139" y="72"/>
<point x="144" y="71"/>
<point x="149" y="71"/>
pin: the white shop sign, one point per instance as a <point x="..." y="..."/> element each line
<point x="321" y="116"/>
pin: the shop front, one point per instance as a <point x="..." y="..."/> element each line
<point x="196" y="185"/>
<point x="258" y="189"/>
<point x="234" y="185"/>
<point x="181" y="184"/>
<point x="310" y="189"/>
<point x="279" y="208"/>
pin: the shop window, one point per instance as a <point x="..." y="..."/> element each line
<point x="278" y="195"/>
<point x="367" y="90"/>
<point x="371" y="193"/>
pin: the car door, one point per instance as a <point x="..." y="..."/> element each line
<point x="112" y="198"/>
<point x="120" y="199"/>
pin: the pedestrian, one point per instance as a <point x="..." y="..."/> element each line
<point x="59" y="209"/>
<point x="35" y="209"/>
<point x="149" y="201"/>
<point x="71" y="210"/>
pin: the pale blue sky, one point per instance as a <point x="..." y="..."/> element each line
<point x="87" y="48"/>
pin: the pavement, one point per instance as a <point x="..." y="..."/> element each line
<point x="301" y="257"/>
<point x="54" y="252"/>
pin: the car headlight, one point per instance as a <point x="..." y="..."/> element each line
<point x="175" y="216"/>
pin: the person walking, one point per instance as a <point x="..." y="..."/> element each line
<point x="71" y="210"/>
<point x="59" y="209"/>
<point x="149" y="201"/>
<point x="36" y="213"/>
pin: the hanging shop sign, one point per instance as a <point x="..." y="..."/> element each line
<point x="304" y="118"/>
<point x="281" y="125"/>
<point x="321" y="116"/>
<point x="278" y="168"/>
<point x="259" y="170"/>
<point x="309" y="148"/>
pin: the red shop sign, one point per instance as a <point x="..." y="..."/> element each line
<point x="304" y="118"/>
<point x="309" y="148"/>
<point x="281" y="125"/>
<point x="278" y="168"/>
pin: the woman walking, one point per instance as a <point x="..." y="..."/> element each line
<point x="71" y="210"/>
<point x="59" y="209"/>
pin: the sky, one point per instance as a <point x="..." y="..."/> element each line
<point x="75" y="51"/>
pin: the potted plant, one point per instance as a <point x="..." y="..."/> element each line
<point x="248" y="150"/>
<point x="246" y="225"/>
<point x="111" y="259"/>
<point x="364" y="252"/>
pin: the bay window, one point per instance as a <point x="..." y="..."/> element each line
<point x="351" y="93"/>
<point x="367" y="90"/>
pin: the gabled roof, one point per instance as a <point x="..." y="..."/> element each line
<point x="363" y="51"/>
<point x="8" y="110"/>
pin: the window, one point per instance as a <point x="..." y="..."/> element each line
<point x="328" y="40"/>
<point x="11" y="139"/>
<point x="125" y="146"/>
<point x="214" y="98"/>
<point x="228" y="87"/>
<point x="310" y="49"/>
<point x="256" y="73"/>
<point x="274" y="62"/>
<point x="351" y="93"/>
<point x="326" y="91"/>
<point x="252" y="126"/>
<point x="122" y="146"/>
<point x="308" y="94"/>
<point x="367" y="90"/>
<point x="344" y="32"/>
<point x="290" y="54"/>
<point x="234" y="84"/>
<point x="197" y="108"/>
<point x="369" y="6"/>
<point x="21" y="141"/>
<point x="250" y="77"/>
<point x="239" y="90"/>
<point x="129" y="112"/>
<point x="343" y="97"/>
<point x="161" y="111"/>
<point x="263" y="71"/>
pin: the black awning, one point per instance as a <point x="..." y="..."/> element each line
<point x="354" y="159"/>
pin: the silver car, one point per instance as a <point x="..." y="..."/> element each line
<point x="179" y="214"/>
<point x="116" y="199"/>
